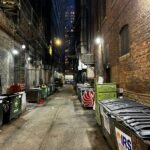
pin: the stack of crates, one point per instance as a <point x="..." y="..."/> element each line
<point x="104" y="91"/>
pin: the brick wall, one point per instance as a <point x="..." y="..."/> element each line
<point x="131" y="71"/>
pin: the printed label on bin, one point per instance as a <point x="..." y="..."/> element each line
<point x="1" y="101"/>
<point x="123" y="140"/>
<point x="106" y="122"/>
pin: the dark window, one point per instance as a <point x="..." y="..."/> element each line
<point x="103" y="9"/>
<point x="124" y="40"/>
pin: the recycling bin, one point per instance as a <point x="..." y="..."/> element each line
<point x="11" y="106"/>
<point x="103" y="92"/>
<point x="34" y="95"/>
<point x="2" y="98"/>
<point x="118" y="118"/>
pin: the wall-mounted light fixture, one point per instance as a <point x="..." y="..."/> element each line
<point x="23" y="46"/>
<point x="15" y="52"/>
<point x="98" y="40"/>
<point x="29" y="58"/>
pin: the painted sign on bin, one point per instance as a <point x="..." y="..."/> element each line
<point x="123" y="140"/>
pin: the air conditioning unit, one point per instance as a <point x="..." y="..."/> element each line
<point x="87" y="59"/>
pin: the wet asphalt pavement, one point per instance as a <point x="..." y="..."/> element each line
<point x="59" y="124"/>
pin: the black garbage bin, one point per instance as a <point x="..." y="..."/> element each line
<point x="11" y="106"/>
<point x="118" y="115"/>
<point x="2" y="98"/>
<point x="34" y="95"/>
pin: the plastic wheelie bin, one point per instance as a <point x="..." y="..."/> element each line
<point x="11" y="106"/>
<point x="103" y="92"/>
<point x="33" y="95"/>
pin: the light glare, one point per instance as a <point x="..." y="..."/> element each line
<point x="98" y="40"/>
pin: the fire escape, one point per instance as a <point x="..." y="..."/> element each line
<point x="21" y="23"/>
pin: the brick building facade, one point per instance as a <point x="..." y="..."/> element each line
<point x="125" y="30"/>
<point x="21" y="25"/>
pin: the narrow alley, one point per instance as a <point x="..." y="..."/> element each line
<point x="60" y="123"/>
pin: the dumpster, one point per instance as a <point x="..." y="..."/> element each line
<point x="87" y="97"/>
<point x="135" y="136"/>
<point x="121" y="117"/>
<point x="48" y="91"/>
<point x="52" y="87"/>
<point x="33" y="95"/>
<point x="11" y="106"/>
<point x="23" y="101"/>
<point x="108" y="110"/>
<point x="44" y="92"/>
<point x="2" y="98"/>
<point x="103" y="92"/>
<point x="81" y="88"/>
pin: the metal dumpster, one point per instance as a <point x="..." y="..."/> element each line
<point x="87" y="97"/>
<point x="134" y="136"/>
<point x="103" y="92"/>
<point x="33" y="95"/>
<point x="2" y="98"/>
<point x="81" y="88"/>
<point x="120" y="117"/>
<point x="24" y="101"/>
<point x="11" y="106"/>
<point x="52" y="87"/>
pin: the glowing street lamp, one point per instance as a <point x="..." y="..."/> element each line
<point x="58" y="42"/>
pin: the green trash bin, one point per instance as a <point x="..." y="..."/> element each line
<point x="44" y="92"/>
<point x="103" y="92"/>
<point x="11" y="106"/>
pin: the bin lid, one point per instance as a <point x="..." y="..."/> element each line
<point x="130" y="109"/>
<point x="3" y="97"/>
<point x="34" y="89"/>
<point x="137" y="119"/>
<point x="118" y="100"/>
<point x="143" y="116"/>
<point x="144" y="134"/>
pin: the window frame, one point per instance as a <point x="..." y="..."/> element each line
<point x="124" y="40"/>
